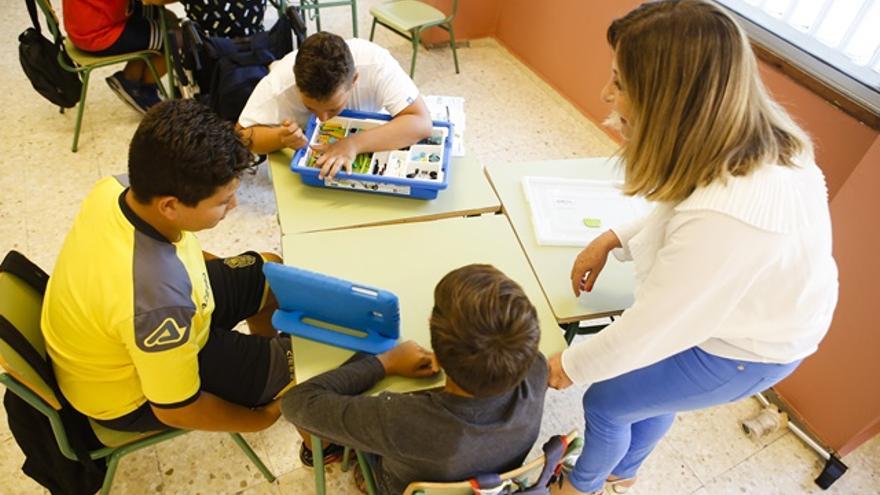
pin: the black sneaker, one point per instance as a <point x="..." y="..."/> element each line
<point x="127" y="91"/>
<point x="332" y="453"/>
<point x="148" y="95"/>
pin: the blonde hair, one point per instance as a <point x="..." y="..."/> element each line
<point x="700" y="110"/>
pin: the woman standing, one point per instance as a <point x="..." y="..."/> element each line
<point x="736" y="283"/>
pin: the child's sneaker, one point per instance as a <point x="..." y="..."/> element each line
<point x="149" y="95"/>
<point x="138" y="96"/>
<point x="332" y="453"/>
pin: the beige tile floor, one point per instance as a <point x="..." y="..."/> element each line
<point x="512" y="115"/>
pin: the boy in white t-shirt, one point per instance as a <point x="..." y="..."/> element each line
<point x="326" y="75"/>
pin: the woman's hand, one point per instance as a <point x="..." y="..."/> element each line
<point x="590" y="261"/>
<point x="556" y="376"/>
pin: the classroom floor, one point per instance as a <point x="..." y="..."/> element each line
<point x="511" y="115"/>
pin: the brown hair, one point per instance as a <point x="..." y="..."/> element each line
<point x="183" y="149"/>
<point x="323" y="64"/>
<point x="484" y="330"/>
<point x="700" y="110"/>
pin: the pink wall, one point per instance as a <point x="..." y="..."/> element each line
<point x="475" y="19"/>
<point x="563" y="41"/>
<point x="836" y="389"/>
<point x="840" y="140"/>
<point x="565" y="45"/>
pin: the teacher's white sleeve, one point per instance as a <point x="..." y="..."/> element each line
<point x="707" y="263"/>
<point x="624" y="233"/>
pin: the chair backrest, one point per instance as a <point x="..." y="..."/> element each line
<point x="523" y="476"/>
<point x="22" y="347"/>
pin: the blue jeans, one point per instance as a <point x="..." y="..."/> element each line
<point x="627" y="415"/>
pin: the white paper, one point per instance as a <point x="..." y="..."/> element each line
<point x="559" y="208"/>
<point x="449" y="109"/>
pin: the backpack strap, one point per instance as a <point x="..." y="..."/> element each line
<point x="32" y="10"/>
<point x="487" y="484"/>
<point x="554" y="449"/>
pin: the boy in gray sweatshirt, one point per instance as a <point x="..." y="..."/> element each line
<point x="484" y="333"/>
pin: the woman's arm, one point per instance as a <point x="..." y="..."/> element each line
<point x="704" y="269"/>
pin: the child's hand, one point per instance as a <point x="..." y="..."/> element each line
<point x="409" y="359"/>
<point x="335" y="157"/>
<point x="291" y="136"/>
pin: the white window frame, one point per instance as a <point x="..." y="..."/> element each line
<point x="859" y="84"/>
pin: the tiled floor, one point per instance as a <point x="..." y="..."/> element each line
<point x="512" y="115"/>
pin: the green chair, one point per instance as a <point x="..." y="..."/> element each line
<point x="21" y="295"/>
<point x="315" y="7"/>
<point x="409" y="18"/>
<point x="85" y="63"/>
<point x="515" y="480"/>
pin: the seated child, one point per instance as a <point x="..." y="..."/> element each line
<point x="485" y="334"/>
<point x="325" y="76"/>
<point x="114" y="27"/>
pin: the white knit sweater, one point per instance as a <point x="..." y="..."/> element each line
<point x="742" y="269"/>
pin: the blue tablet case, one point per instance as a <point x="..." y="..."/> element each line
<point x="302" y="294"/>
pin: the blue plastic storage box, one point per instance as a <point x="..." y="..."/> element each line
<point x="418" y="171"/>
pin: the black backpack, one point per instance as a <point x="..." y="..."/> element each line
<point x="227" y="70"/>
<point x="39" y="59"/>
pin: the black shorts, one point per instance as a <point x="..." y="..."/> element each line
<point x="142" y="32"/>
<point x="239" y="288"/>
<point x="247" y="370"/>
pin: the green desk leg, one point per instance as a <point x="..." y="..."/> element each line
<point x="574" y="328"/>
<point x="318" y="461"/>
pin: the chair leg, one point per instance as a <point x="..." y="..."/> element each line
<point x="112" y="464"/>
<point x="373" y="29"/>
<point x="452" y="44"/>
<point x="346" y="453"/>
<point x="317" y="17"/>
<point x="80" y="109"/>
<point x="156" y="77"/>
<point x="318" y="461"/>
<point x="166" y="51"/>
<point x="354" y="17"/>
<point x="254" y="458"/>
<point x="415" y="44"/>
<point x="367" y="472"/>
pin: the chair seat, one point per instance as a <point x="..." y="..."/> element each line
<point x="116" y="438"/>
<point x="85" y="59"/>
<point x="405" y="15"/>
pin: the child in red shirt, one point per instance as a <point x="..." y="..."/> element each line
<point x="113" y="27"/>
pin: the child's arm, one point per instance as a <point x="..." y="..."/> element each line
<point x="410" y="126"/>
<point x="331" y="406"/>
<point x="262" y="139"/>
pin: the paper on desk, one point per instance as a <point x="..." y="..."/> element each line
<point x="562" y="209"/>
<point x="449" y="109"/>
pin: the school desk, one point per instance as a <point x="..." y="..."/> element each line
<point x="409" y="259"/>
<point x="303" y="208"/>
<point x="552" y="264"/>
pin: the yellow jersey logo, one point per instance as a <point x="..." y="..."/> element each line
<point x="240" y="261"/>
<point x="167" y="333"/>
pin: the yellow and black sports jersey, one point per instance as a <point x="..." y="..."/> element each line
<point x="126" y="311"/>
